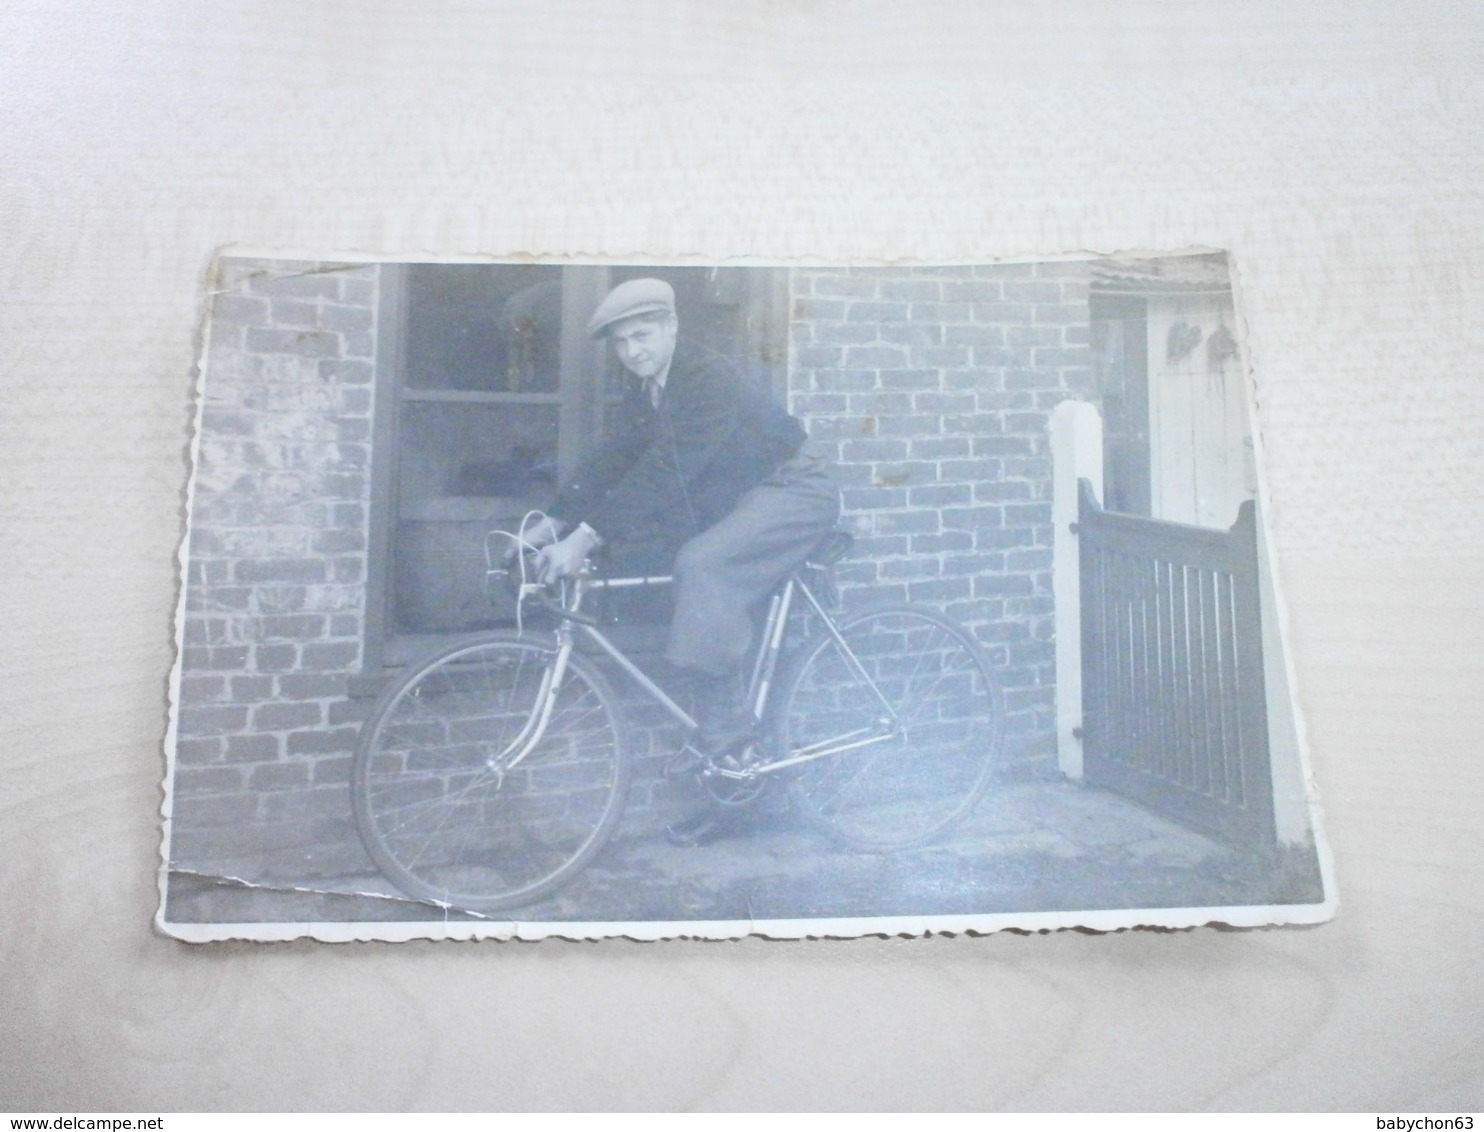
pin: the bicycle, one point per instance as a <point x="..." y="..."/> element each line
<point x="489" y="775"/>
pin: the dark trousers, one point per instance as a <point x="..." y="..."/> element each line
<point x="724" y="572"/>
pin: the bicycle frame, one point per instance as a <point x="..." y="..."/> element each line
<point x="764" y="670"/>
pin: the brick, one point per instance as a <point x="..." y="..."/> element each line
<point x="845" y="334"/>
<point x="343" y="372"/>
<point x="940" y="589"/>
<point x="844" y="286"/>
<point x="875" y="357"/>
<point x="866" y="498"/>
<point x="215" y="719"/>
<point x="970" y="470"/>
<point x="283" y="717"/>
<point x="219" y="423"/>
<point x="978" y="290"/>
<point x="904" y="522"/>
<point x="346" y="625"/>
<point x="908" y="568"/>
<point x="295" y="313"/>
<point x="220" y="599"/>
<point x="909" y="290"/>
<point x="1058" y="314"/>
<point x="813" y="309"/>
<point x="280" y="570"/>
<point x="220" y="809"/>
<point x="904" y="472"/>
<point x="310" y="685"/>
<point x="251" y="748"/>
<point x="1033" y="291"/>
<point x="942" y="542"/>
<point x="348" y="711"/>
<point x="940" y="356"/>
<point x="910" y="335"/>
<point x="1029" y="560"/>
<point x="904" y="380"/>
<point x="881" y="403"/>
<point x="973" y="335"/>
<point x="330" y="656"/>
<point x="971" y="518"/>
<point x="337" y="741"/>
<point x="1061" y="356"/>
<point x="817" y="357"/>
<point x="880" y="546"/>
<point x="310" y="284"/>
<point x="207" y="780"/>
<point x="940" y="447"/>
<point x="214" y="659"/>
<point x="1032" y="379"/>
<point x="238" y="310"/>
<point x="1001" y="584"/>
<point x="275" y="658"/>
<point x="1004" y="446"/>
<point x="251" y="689"/>
<point x="350" y="430"/>
<point x="938" y="495"/>
<point x="346" y="570"/>
<point x="338" y="542"/>
<point x="305" y="343"/>
<point x="1027" y="514"/>
<point x="361" y="292"/>
<point x="877" y="312"/>
<point x="202" y="689"/>
<point x="937" y="401"/>
<point x="333" y="316"/>
<point x="271" y="776"/>
<point x="292" y="627"/>
<point x="1045" y="336"/>
<point x="353" y="400"/>
<point x="911" y="425"/>
<point x="331" y="769"/>
<point x="304" y="806"/>
<point x="1002" y="491"/>
<point x="994" y="537"/>
<point x="198" y="750"/>
<point x="873" y="450"/>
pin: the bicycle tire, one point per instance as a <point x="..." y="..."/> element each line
<point x="941" y="753"/>
<point x="441" y="823"/>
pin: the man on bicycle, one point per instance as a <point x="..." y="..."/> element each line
<point x="702" y="475"/>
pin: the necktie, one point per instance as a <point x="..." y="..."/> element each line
<point x="654" y="389"/>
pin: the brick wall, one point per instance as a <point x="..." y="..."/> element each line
<point x="933" y="389"/>
<point x="276" y="582"/>
<point x="932" y="386"/>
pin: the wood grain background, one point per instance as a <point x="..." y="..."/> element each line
<point x="1334" y="148"/>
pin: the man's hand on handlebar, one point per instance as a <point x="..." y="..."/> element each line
<point x="565" y="558"/>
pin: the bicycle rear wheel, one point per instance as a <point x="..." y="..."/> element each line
<point x="442" y="807"/>
<point x="916" y="727"/>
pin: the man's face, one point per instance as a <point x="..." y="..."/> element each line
<point x="644" y="343"/>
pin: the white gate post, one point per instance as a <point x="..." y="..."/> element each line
<point x="1076" y="453"/>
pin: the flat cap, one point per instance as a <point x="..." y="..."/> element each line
<point x="637" y="296"/>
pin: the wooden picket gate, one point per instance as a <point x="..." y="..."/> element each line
<point x="1174" y="711"/>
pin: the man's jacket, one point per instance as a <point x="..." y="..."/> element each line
<point x="664" y="475"/>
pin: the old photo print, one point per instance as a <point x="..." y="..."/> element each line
<point x="1031" y="675"/>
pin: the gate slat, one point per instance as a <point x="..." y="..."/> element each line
<point x="1173" y="691"/>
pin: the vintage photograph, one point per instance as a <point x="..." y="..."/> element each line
<point x="653" y="599"/>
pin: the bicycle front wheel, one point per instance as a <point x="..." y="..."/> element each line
<point x="906" y="720"/>
<point x="463" y="797"/>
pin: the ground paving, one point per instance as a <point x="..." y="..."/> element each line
<point x="1040" y="844"/>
